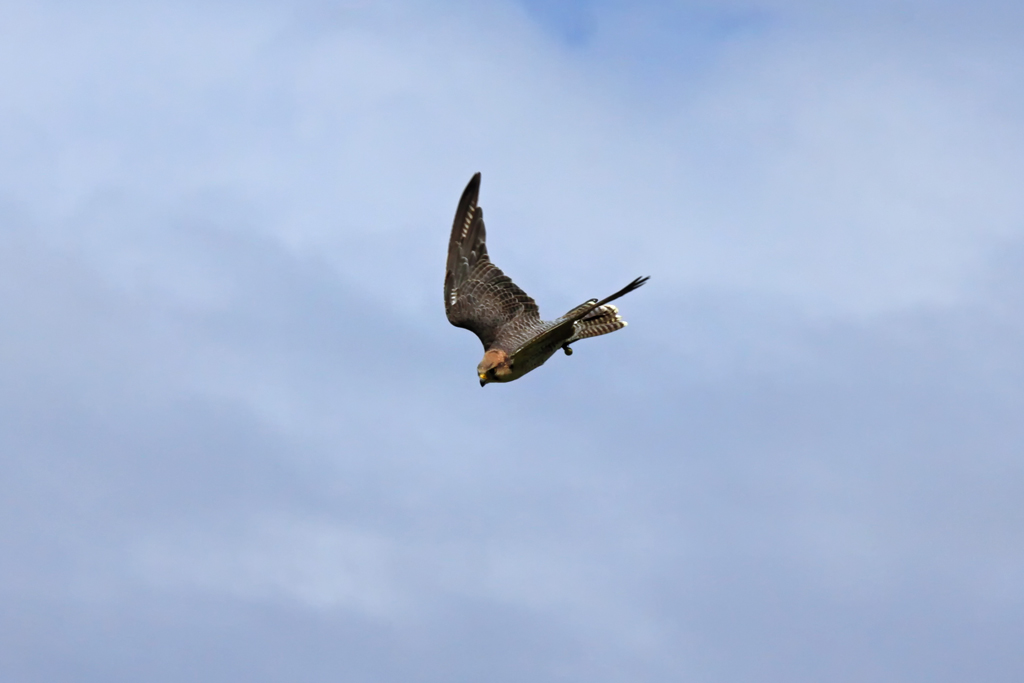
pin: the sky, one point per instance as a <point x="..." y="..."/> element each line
<point x="240" y="441"/>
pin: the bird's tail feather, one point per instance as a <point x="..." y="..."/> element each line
<point x="568" y="327"/>
<point x="601" y="320"/>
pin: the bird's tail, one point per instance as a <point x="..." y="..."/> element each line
<point x="601" y="320"/>
<point x="591" y="318"/>
<point x="595" y="318"/>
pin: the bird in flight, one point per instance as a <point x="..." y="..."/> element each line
<point x="483" y="300"/>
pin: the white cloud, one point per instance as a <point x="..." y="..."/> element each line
<point x="317" y="565"/>
<point x="219" y="398"/>
<point x="845" y="173"/>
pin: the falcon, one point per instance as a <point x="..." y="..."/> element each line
<point x="482" y="299"/>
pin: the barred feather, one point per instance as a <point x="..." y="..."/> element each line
<point x="601" y="320"/>
<point x="606" y="312"/>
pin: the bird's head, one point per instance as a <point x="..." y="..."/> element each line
<point x="495" y="367"/>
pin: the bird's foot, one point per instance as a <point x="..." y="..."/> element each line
<point x="568" y="351"/>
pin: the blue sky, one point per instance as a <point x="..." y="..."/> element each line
<point x="240" y="441"/>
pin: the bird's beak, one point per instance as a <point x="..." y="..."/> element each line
<point x="483" y="379"/>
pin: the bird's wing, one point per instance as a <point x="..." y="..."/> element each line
<point x="477" y="295"/>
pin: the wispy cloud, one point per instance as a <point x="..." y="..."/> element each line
<point x="233" y="412"/>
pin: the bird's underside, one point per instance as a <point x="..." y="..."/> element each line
<point x="485" y="301"/>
